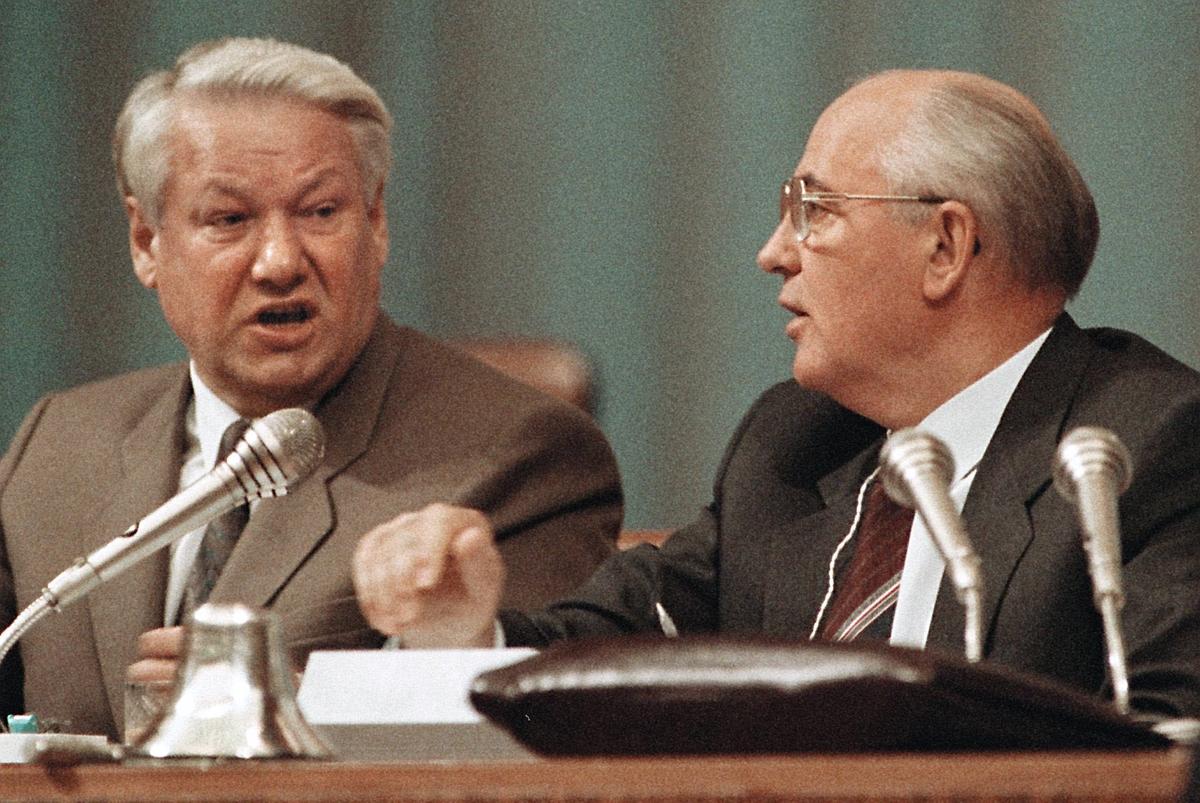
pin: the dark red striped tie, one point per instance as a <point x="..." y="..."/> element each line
<point x="867" y="589"/>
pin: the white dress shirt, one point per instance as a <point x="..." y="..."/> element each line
<point x="965" y="423"/>
<point x="206" y="420"/>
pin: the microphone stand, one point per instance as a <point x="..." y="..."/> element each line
<point x="1092" y="468"/>
<point x="1110" y="614"/>
<point x="962" y="565"/>
<point x="1108" y="595"/>
<point x="971" y="600"/>
<point x="916" y="469"/>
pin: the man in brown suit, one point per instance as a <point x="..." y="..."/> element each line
<point x="253" y="174"/>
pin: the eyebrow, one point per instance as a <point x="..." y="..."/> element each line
<point x="813" y="183"/>
<point x="319" y="179"/>
<point x="222" y="188"/>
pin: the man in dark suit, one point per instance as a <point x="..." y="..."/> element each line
<point x="253" y="176"/>
<point x="928" y="243"/>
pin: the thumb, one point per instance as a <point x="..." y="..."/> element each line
<point x="479" y="565"/>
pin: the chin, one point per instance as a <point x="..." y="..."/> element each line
<point x="267" y="396"/>
<point x="808" y="375"/>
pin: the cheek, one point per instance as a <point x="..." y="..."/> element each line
<point x="834" y="291"/>
<point x="197" y="294"/>
<point x="849" y="311"/>
<point x="359" y="270"/>
<point x="363" y="273"/>
<point x="182" y="313"/>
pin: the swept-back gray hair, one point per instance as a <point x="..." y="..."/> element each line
<point x="982" y="143"/>
<point x="234" y="67"/>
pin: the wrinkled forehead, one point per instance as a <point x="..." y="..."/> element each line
<point x="239" y="125"/>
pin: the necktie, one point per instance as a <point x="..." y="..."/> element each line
<point x="865" y="596"/>
<point x="220" y="537"/>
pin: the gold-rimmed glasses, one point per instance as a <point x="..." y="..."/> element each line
<point x="795" y="199"/>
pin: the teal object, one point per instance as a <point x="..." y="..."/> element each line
<point x="23" y="723"/>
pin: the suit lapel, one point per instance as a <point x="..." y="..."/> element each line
<point x="283" y="532"/>
<point x="132" y="602"/>
<point x="795" y="588"/>
<point x="1014" y="472"/>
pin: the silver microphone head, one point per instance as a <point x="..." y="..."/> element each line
<point x="908" y="453"/>
<point x="1094" y="451"/>
<point x="277" y="452"/>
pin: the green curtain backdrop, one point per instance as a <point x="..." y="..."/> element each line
<point x="599" y="172"/>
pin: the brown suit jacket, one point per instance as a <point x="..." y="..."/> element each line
<point x="413" y="422"/>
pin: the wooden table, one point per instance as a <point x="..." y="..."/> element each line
<point x="1083" y="776"/>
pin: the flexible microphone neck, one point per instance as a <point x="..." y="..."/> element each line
<point x="916" y="470"/>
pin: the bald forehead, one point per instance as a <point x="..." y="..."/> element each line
<point x="844" y="144"/>
<point x="891" y="95"/>
<point x="875" y="111"/>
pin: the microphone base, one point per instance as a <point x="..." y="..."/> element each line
<point x="1181" y="730"/>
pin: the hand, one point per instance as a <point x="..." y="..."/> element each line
<point x="158" y="656"/>
<point x="432" y="577"/>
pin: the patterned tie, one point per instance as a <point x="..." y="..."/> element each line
<point x="220" y="537"/>
<point x="868" y="588"/>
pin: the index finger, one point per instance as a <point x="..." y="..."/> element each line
<point x="411" y="550"/>
<point x="162" y="642"/>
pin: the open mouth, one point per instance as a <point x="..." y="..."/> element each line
<point x="284" y="315"/>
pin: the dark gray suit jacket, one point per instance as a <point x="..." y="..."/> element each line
<point x="412" y="423"/>
<point x="756" y="560"/>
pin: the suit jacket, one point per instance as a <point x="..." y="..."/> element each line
<point x="756" y="561"/>
<point x="412" y="422"/>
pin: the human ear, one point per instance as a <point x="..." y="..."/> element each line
<point x="954" y="244"/>
<point x="143" y="243"/>
<point x="377" y="218"/>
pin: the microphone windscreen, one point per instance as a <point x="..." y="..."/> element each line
<point x="1093" y="451"/>
<point x="294" y="440"/>
<point x="907" y="454"/>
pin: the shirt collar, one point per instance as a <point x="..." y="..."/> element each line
<point x="967" y="421"/>
<point x="208" y="418"/>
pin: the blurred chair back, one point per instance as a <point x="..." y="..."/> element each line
<point x="550" y="366"/>
<point x="631" y="538"/>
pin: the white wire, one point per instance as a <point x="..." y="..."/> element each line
<point x="858" y="510"/>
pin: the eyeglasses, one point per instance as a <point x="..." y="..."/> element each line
<point x="804" y="205"/>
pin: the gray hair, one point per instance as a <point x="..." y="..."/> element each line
<point x="984" y="144"/>
<point x="238" y="66"/>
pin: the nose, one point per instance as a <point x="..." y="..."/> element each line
<point x="781" y="252"/>
<point x="281" y="260"/>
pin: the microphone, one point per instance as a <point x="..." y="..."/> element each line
<point x="1091" y="469"/>
<point x="275" y="453"/>
<point x="916" y="470"/>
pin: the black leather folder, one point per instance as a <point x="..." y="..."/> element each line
<point x="642" y="696"/>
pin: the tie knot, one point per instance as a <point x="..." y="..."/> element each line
<point x="879" y="505"/>
<point x="229" y="439"/>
